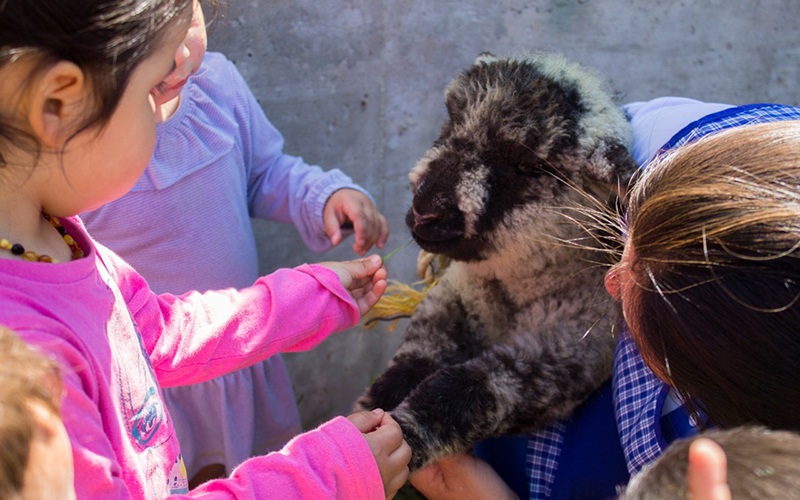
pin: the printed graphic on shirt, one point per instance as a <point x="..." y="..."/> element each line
<point x="178" y="482"/>
<point x="138" y="392"/>
<point x="139" y="403"/>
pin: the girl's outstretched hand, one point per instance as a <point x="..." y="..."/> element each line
<point x="365" y="279"/>
<point x="391" y="452"/>
<point x="348" y="206"/>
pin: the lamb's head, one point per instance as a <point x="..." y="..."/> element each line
<point x="524" y="137"/>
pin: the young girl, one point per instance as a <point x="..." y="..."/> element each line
<point x="77" y="131"/>
<point x="36" y="462"/>
<point x="217" y="163"/>
<point x="708" y="286"/>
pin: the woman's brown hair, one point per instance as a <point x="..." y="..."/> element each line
<point x="715" y="231"/>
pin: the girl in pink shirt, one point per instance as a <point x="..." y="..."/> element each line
<point x="77" y="129"/>
<point x="218" y="163"/>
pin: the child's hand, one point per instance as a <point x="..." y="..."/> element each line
<point x="461" y="477"/>
<point x="391" y="452"/>
<point x="707" y="472"/>
<point x="351" y="206"/>
<point x="365" y="279"/>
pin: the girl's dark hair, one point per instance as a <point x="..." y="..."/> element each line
<point x="106" y="39"/>
<point x="715" y="231"/>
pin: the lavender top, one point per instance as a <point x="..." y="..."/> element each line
<point x="218" y="161"/>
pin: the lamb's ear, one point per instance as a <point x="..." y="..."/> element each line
<point x="486" y="58"/>
<point x="611" y="164"/>
<point x="456" y="97"/>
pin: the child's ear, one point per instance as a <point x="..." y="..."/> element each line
<point x="56" y="102"/>
<point x="47" y="422"/>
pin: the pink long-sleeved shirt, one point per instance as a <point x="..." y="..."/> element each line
<point x="117" y="342"/>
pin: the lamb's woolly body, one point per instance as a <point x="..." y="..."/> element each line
<point x="518" y="331"/>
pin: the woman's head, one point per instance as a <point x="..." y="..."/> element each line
<point x="105" y="39"/>
<point x="710" y="278"/>
<point x="36" y="461"/>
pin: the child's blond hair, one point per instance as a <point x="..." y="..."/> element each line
<point x="762" y="464"/>
<point x="26" y="377"/>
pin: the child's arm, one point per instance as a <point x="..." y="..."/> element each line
<point x="197" y="336"/>
<point x="332" y="462"/>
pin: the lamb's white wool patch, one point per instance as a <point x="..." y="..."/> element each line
<point x="421" y="167"/>
<point x="603" y="118"/>
<point x="486" y="58"/>
<point x="471" y="194"/>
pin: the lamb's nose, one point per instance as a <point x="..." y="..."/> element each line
<point x="425" y="218"/>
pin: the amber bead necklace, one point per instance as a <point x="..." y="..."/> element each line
<point x="18" y="249"/>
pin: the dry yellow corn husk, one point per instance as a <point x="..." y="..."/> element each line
<point x="400" y="300"/>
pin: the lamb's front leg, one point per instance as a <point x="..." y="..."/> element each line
<point x="505" y="391"/>
<point x="437" y="336"/>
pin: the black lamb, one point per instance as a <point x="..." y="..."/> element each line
<point x="518" y="332"/>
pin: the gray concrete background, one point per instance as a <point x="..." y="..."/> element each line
<point x="358" y="85"/>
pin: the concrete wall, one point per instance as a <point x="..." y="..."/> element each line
<point x="358" y="84"/>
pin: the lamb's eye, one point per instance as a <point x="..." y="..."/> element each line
<point x="531" y="168"/>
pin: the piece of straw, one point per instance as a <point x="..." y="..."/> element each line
<point x="397" y="249"/>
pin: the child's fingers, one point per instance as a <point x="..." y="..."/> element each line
<point x="380" y="274"/>
<point x="358" y="290"/>
<point x="333" y="226"/>
<point x="397" y="482"/>
<point x="361" y="287"/>
<point x="364" y="268"/>
<point x="353" y="273"/>
<point x="399" y="459"/>
<point x="362" y="223"/>
<point x="366" y="421"/>
<point x="370" y="298"/>
<point x="401" y="455"/>
<point x="374" y="229"/>
<point x="364" y="289"/>
<point x="356" y="283"/>
<point x="707" y="473"/>
<point x="388" y="436"/>
<point x="383" y="230"/>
